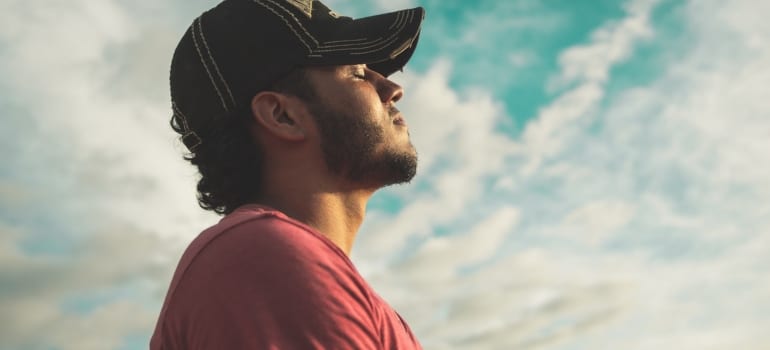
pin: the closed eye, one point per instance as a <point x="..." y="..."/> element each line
<point x="359" y="71"/>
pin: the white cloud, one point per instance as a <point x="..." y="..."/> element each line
<point x="393" y="5"/>
<point x="609" y="45"/>
<point x="483" y="30"/>
<point x="120" y="261"/>
<point x="521" y="58"/>
<point x="648" y="233"/>
<point x="596" y="220"/>
<point x="443" y="314"/>
<point x="455" y="133"/>
<point x="117" y="144"/>
<point x="100" y="156"/>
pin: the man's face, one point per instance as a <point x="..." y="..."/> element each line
<point x="363" y="136"/>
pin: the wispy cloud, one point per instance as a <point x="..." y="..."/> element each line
<point x="87" y="253"/>
<point x="105" y="289"/>
<point x="630" y="210"/>
<point x="632" y="219"/>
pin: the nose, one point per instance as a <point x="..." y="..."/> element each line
<point x="389" y="91"/>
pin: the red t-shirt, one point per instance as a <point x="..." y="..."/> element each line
<point x="261" y="280"/>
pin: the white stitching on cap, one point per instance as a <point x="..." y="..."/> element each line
<point x="352" y="46"/>
<point x="371" y="45"/>
<point x="194" y="146"/>
<point x="287" y="23"/>
<point x="187" y="130"/>
<point x="330" y="48"/>
<point x="377" y="48"/>
<point x="317" y="45"/>
<point x="344" y="41"/>
<point x="388" y="41"/>
<point x="295" y="20"/>
<point x="399" y="50"/>
<point x="398" y="22"/>
<point x="305" y="6"/>
<point x="216" y="67"/>
<point x="184" y="118"/>
<point x="401" y="22"/>
<point x="211" y="78"/>
<point x="398" y="18"/>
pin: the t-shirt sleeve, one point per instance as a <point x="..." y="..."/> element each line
<point x="270" y="284"/>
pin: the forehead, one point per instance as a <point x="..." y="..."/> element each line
<point x="336" y="69"/>
<point x="320" y="76"/>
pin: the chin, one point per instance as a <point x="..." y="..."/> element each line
<point x="388" y="168"/>
<point x="401" y="167"/>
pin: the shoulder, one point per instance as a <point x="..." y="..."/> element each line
<point x="259" y="230"/>
<point x="267" y="247"/>
<point x="269" y="234"/>
<point x="265" y="280"/>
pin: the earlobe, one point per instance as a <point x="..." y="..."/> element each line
<point x="273" y="113"/>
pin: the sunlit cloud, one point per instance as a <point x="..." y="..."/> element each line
<point x="632" y="218"/>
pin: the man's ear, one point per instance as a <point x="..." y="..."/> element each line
<point x="278" y="114"/>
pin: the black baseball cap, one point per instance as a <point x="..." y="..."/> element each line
<point x="241" y="47"/>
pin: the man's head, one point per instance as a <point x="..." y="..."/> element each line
<point x="362" y="135"/>
<point x="244" y="55"/>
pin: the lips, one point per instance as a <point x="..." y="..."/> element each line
<point x="399" y="120"/>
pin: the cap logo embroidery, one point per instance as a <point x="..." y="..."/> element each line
<point x="334" y="14"/>
<point x="306" y="6"/>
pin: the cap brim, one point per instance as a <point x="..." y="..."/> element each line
<point x="384" y="42"/>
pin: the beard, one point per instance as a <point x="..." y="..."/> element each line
<point x="350" y="147"/>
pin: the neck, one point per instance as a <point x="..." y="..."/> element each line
<point x="337" y="215"/>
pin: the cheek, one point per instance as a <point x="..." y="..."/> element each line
<point x="358" y="101"/>
<point x="367" y="99"/>
<point x="367" y="111"/>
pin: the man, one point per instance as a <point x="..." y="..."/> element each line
<point x="288" y="115"/>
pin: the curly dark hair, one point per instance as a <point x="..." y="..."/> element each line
<point x="229" y="160"/>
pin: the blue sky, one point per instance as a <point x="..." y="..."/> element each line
<point x="593" y="175"/>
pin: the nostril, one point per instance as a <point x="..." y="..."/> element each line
<point x="389" y="91"/>
<point x="397" y="96"/>
<point x="398" y="92"/>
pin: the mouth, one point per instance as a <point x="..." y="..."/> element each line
<point x="399" y="120"/>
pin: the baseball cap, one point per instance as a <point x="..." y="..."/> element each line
<point x="241" y="47"/>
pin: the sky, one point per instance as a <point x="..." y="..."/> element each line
<point x="593" y="174"/>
